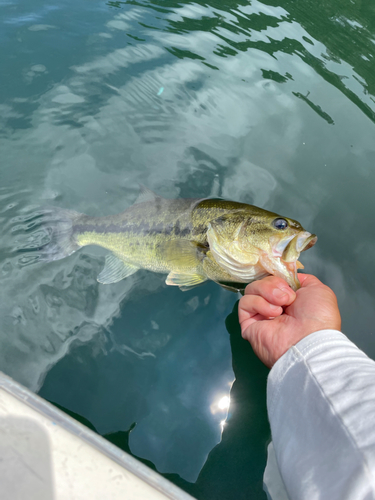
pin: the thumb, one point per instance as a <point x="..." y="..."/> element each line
<point x="308" y="280"/>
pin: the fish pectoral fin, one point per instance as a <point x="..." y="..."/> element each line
<point x="184" y="280"/>
<point x="181" y="253"/>
<point x="115" y="270"/>
<point x="145" y="195"/>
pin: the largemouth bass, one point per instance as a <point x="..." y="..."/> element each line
<point x="191" y="240"/>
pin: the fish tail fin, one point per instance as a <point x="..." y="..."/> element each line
<point x="52" y="233"/>
<point x="60" y="226"/>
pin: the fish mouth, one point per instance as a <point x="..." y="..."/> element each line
<point x="286" y="254"/>
<point x="298" y="244"/>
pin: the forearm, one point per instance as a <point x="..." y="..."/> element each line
<point x="321" y="404"/>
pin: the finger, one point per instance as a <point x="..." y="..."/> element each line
<point x="253" y="305"/>
<point x="308" y="280"/>
<point x="275" y="290"/>
<point x="250" y="326"/>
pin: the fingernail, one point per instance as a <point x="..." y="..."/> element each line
<point x="279" y="294"/>
<point x="274" y="308"/>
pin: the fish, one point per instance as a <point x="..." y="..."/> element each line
<point x="191" y="240"/>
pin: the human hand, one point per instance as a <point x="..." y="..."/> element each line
<point x="273" y="317"/>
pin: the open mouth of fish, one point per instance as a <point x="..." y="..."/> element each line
<point x="281" y="261"/>
<point x="286" y="252"/>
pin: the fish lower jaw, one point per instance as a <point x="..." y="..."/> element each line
<point x="291" y="276"/>
<point x="284" y="270"/>
<point x="291" y="266"/>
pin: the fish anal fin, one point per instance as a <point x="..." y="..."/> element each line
<point x="145" y="195"/>
<point x="184" y="280"/>
<point x="115" y="269"/>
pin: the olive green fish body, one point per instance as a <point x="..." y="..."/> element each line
<point x="141" y="234"/>
<point x="190" y="239"/>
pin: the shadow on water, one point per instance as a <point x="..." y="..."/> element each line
<point x="234" y="468"/>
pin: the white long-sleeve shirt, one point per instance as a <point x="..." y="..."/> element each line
<point x="321" y="407"/>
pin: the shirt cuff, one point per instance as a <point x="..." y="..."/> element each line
<point x="313" y="344"/>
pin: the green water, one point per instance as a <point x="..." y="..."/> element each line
<point x="271" y="103"/>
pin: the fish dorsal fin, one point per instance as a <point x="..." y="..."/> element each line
<point x="184" y="280"/>
<point x="146" y="195"/>
<point x="115" y="270"/>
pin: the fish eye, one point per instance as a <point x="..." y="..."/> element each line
<point x="280" y="224"/>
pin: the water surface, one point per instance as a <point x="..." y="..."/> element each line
<point x="270" y="103"/>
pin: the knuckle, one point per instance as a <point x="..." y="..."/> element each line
<point x="257" y="301"/>
<point x="250" y="287"/>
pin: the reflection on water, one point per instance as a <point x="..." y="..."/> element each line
<point x="241" y="456"/>
<point x="270" y="103"/>
<point x="165" y="370"/>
